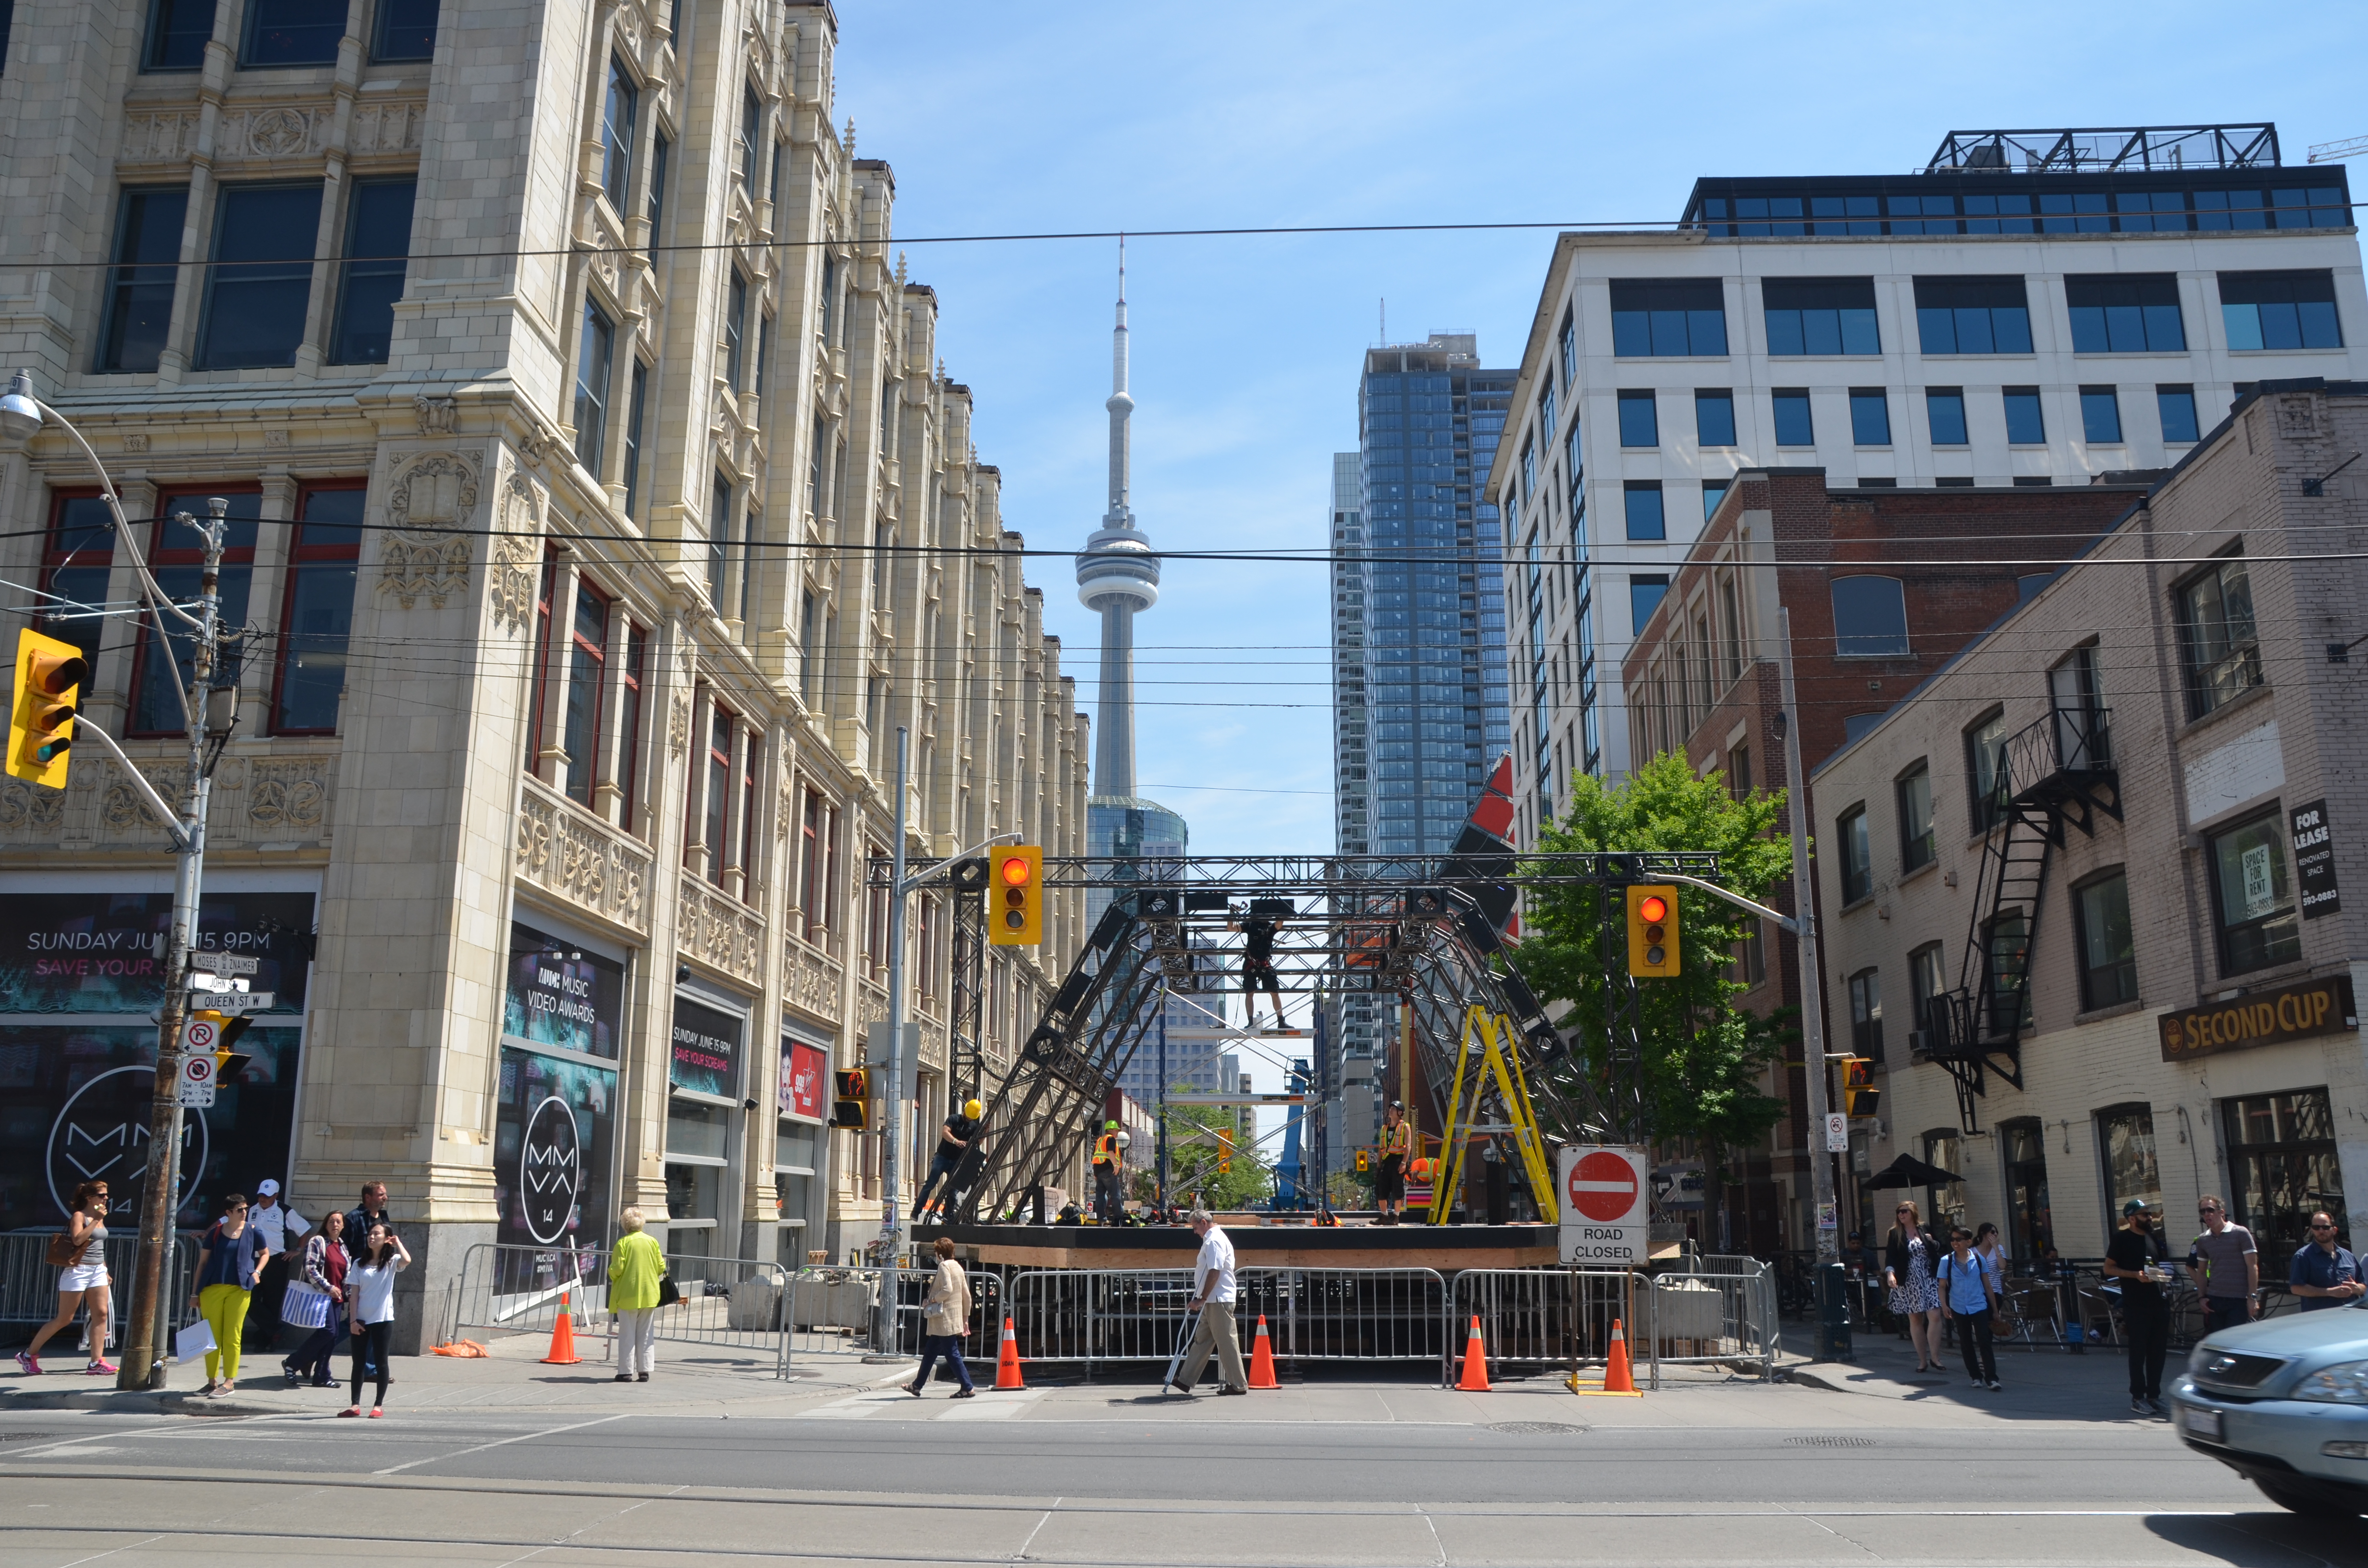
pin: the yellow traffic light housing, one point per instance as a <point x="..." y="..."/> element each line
<point x="850" y="1105"/>
<point x="1363" y="1162"/>
<point x="1859" y="1096"/>
<point x="1015" y="897"/>
<point x="42" y="708"/>
<point x="1653" y="931"/>
<point x="1225" y="1151"/>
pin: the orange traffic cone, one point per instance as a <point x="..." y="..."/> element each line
<point x="1262" y="1359"/>
<point x="562" y="1335"/>
<point x="1475" y="1361"/>
<point x="1007" y="1359"/>
<point x="1616" y="1377"/>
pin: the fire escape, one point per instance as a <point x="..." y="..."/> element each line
<point x="2057" y="771"/>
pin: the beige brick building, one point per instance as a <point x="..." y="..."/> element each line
<point x="2172" y="978"/>
<point x="600" y="509"/>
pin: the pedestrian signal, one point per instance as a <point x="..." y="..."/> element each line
<point x="1225" y="1152"/>
<point x="1015" y="899"/>
<point x="42" y="708"/>
<point x="850" y="1106"/>
<point x="1859" y="1096"/>
<point x="1653" y="931"/>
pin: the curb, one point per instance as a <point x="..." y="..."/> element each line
<point x="133" y="1401"/>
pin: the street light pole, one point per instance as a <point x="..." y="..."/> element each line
<point x="891" y="1097"/>
<point x="1833" y="1338"/>
<point x="23" y="415"/>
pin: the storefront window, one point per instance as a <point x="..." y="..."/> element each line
<point x="2282" y="1166"/>
<point x="2031" y="1227"/>
<point x="2125" y="1139"/>
<point x="555" y="1115"/>
<point x="1946" y="1150"/>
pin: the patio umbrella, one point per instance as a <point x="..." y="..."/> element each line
<point x="1907" y="1171"/>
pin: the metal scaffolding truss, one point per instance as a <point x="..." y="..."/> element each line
<point x="1423" y="928"/>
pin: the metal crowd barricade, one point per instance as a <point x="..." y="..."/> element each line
<point x="832" y="1310"/>
<point x="727" y="1303"/>
<point x="1725" y="1315"/>
<point x="28" y="1285"/>
<point x="1543" y="1317"/>
<point x="1086" y="1316"/>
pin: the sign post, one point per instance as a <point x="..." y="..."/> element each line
<point x="1605" y="1193"/>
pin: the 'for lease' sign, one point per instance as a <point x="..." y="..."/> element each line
<point x="1603" y="1207"/>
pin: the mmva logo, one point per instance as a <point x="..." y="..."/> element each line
<point x="551" y="1171"/>
<point x="102" y="1132"/>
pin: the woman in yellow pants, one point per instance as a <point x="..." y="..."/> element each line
<point x="234" y="1255"/>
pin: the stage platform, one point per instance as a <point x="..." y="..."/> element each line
<point x="1261" y="1241"/>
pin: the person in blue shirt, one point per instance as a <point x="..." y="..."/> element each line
<point x="2324" y="1274"/>
<point x="1967" y="1290"/>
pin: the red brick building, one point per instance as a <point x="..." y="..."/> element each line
<point x="1884" y="587"/>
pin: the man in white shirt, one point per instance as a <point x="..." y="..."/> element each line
<point x="278" y="1226"/>
<point x="1213" y="1298"/>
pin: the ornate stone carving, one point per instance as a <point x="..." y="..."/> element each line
<point x="284" y="131"/>
<point x="28" y="811"/>
<point x="870" y="1003"/>
<point x="436" y="414"/>
<point x="163" y="134"/>
<point x="287" y="798"/>
<point x="678" y="725"/>
<point x="719" y="932"/>
<point x="570" y="854"/>
<point x="509" y="583"/>
<point x="135" y="442"/>
<point x="811" y="979"/>
<point x="536" y="443"/>
<point x="2298" y="415"/>
<point x="386" y="128"/>
<point x="277" y="438"/>
<point x="437" y="490"/>
<point x="124" y="811"/>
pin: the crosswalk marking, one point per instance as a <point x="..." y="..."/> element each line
<point x="988" y="1406"/>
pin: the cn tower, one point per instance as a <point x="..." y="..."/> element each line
<point x="1118" y="575"/>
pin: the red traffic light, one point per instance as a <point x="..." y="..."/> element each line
<point x="1017" y="872"/>
<point x="1653" y="909"/>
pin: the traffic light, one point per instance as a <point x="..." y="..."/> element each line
<point x="1015" y="916"/>
<point x="1859" y="1096"/>
<point x="1225" y="1151"/>
<point x="1363" y="1162"/>
<point x="41" y="707"/>
<point x="1653" y="931"/>
<point x="850" y="1105"/>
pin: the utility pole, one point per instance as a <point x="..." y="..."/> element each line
<point x="1834" y="1335"/>
<point x="891" y="1100"/>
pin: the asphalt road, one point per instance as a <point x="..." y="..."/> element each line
<point x="1764" y="1475"/>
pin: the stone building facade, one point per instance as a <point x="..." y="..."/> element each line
<point x="2165" y="1006"/>
<point x="1884" y="586"/>
<point x="601" y="511"/>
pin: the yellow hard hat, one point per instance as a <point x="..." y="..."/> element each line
<point x="971" y="1109"/>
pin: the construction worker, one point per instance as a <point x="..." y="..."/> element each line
<point x="954" y="1141"/>
<point x="1108" y="1161"/>
<point x="1398" y="1147"/>
<point x="1258" y="964"/>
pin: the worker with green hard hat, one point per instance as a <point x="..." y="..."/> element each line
<point x="1108" y="1159"/>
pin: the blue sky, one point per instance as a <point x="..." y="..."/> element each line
<point x="1053" y="116"/>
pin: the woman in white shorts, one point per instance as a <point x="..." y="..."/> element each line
<point x="82" y="1284"/>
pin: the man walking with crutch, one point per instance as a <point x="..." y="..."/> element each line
<point x="1213" y="1298"/>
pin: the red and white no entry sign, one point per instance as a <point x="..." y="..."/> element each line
<point x="1603" y="1187"/>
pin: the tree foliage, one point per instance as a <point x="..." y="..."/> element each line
<point x="1703" y="1055"/>
<point x="1192" y="1153"/>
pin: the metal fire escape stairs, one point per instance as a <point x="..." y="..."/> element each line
<point x="2056" y="772"/>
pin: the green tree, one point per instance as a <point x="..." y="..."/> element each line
<point x="1192" y="1153"/>
<point x="1703" y="1056"/>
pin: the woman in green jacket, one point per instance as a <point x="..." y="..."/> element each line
<point x="634" y="1270"/>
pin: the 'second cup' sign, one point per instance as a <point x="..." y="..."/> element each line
<point x="2265" y="1017"/>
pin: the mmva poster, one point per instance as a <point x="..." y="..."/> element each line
<point x="562" y="996"/>
<point x="554" y="1128"/>
<point x="706" y="1050"/>
<point x="74" y="1106"/>
<point x="103" y="952"/>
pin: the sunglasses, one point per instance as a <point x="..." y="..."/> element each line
<point x="2322" y="1227"/>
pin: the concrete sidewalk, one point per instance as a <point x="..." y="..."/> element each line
<point x="2046" y="1383"/>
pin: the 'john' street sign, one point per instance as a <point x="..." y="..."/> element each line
<point x="2293" y="1012"/>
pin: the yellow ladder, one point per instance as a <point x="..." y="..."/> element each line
<point x="1496" y="1055"/>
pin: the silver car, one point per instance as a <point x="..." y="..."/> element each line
<point x="2284" y="1404"/>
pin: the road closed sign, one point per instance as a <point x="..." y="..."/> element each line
<point x="1605" y="1199"/>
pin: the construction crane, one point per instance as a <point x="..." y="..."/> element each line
<point x="2336" y="152"/>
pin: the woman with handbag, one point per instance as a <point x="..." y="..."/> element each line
<point x="945" y="1316"/>
<point x="1911" y="1256"/>
<point x="369" y="1313"/>
<point x="316" y="1300"/>
<point x="235" y="1253"/>
<point x="1970" y="1293"/>
<point x="79" y="1253"/>
<point x="637" y="1288"/>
